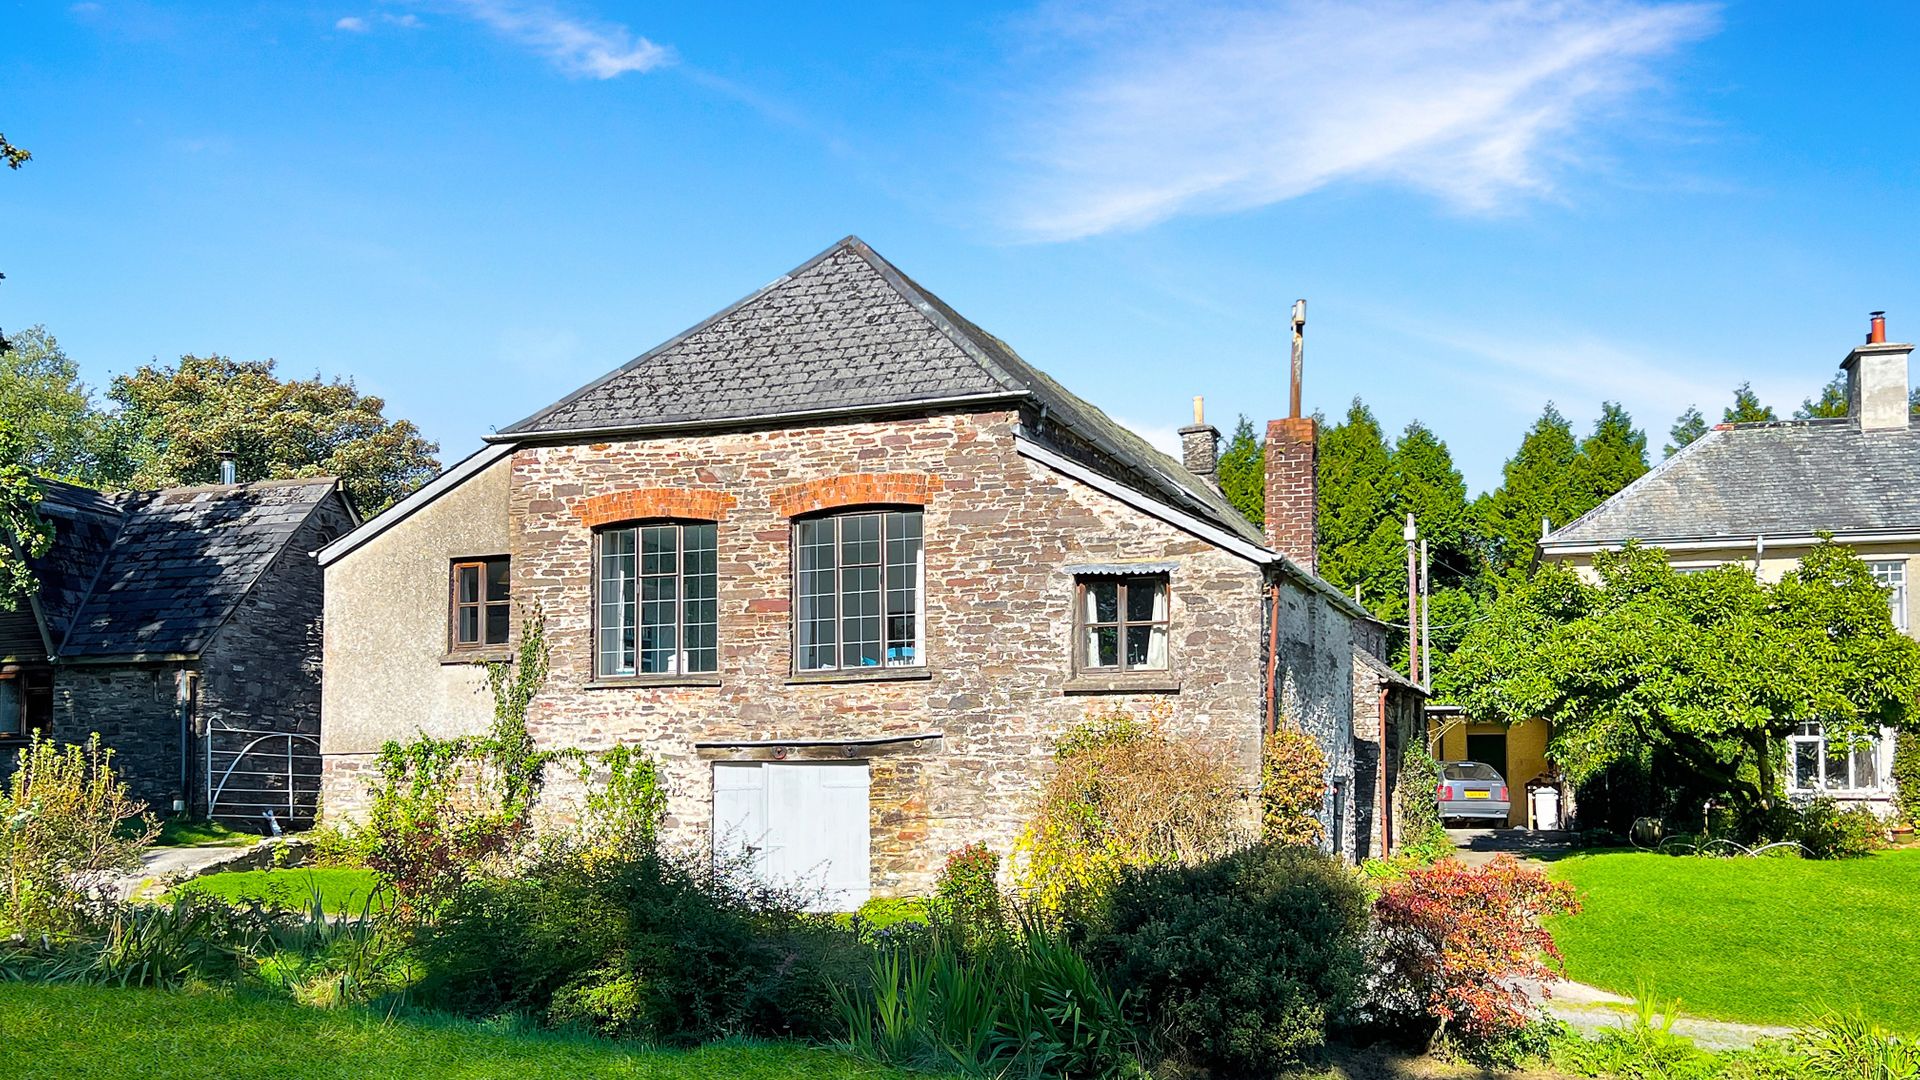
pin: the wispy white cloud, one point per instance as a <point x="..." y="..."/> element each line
<point x="1153" y="111"/>
<point x="352" y="24"/>
<point x="580" y="47"/>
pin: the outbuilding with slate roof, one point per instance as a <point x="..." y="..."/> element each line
<point x="1762" y="494"/>
<point x="848" y="567"/>
<point x="183" y="626"/>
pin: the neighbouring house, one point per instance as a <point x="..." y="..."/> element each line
<point x="182" y="625"/>
<point x="847" y="566"/>
<point x="1761" y="495"/>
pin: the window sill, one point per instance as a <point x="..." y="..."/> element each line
<point x="631" y="682"/>
<point x="860" y="675"/>
<point x="1132" y="682"/>
<point x="496" y="655"/>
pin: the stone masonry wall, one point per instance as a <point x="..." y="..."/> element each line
<point x="1001" y="532"/>
<point x="135" y="708"/>
<point x="261" y="671"/>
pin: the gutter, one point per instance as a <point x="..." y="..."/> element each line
<point x="1748" y="540"/>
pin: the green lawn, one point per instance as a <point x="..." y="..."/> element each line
<point x="185" y="832"/>
<point x="1763" y="940"/>
<point x="343" y="890"/>
<point x="56" y="1032"/>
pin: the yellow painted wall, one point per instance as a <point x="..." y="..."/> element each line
<point x="1526" y="756"/>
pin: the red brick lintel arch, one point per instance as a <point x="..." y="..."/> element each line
<point x="640" y="503"/>
<point x="854" y="489"/>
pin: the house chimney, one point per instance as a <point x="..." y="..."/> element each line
<point x="227" y="470"/>
<point x="1200" y="446"/>
<point x="1877" y="380"/>
<point x="1292" y="452"/>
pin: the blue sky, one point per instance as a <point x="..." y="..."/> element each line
<point x="472" y="206"/>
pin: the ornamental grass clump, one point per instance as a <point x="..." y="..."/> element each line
<point x="1124" y="794"/>
<point x="67" y="827"/>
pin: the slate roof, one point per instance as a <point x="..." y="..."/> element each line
<point x="847" y="332"/>
<point x="162" y="569"/>
<point x="1780" y="478"/>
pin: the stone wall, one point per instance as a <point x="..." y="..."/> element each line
<point x="136" y="709"/>
<point x="261" y="671"/>
<point x="1001" y="533"/>
<point x="1405" y="722"/>
<point x="1314" y="674"/>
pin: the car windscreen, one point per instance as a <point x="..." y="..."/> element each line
<point x="1471" y="770"/>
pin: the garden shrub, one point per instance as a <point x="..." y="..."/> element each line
<point x="1421" y="835"/>
<point x="1453" y="945"/>
<point x="967" y="900"/>
<point x="1123" y="794"/>
<point x="1840" y="1046"/>
<point x="1293" y="787"/>
<point x="1238" y="963"/>
<point x="886" y="913"/>
<point x="445" y="809"/>
<point x="658" y="946"/>
<point x="67" y="826"/>
<point x="1029" y="1005"/>
<point x="1821" y="828"/>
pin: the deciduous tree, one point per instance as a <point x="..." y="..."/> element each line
<point x="50" y="409"/>
<point x="180" y="418"/>
<point x="1712" y="669"/>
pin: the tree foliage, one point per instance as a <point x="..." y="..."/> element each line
<point x="180" y="418"/>
<point x="1746" y="407"/>
<point x="23" y="535"/>
<point x="1359" y="542"/>
<point x="1687" y="428"/>
<point x="51" y="411"/>
<point x="1554" y="478"/>
<point x="1712" y="669"/>
<point x="1243" y="472"/>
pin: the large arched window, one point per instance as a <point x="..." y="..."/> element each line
<point x="656" y="610"/>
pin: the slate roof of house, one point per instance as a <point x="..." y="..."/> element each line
<point x="847" y="332"/>
<point x="1781" y="478"/>
<point x="155" y="573"/>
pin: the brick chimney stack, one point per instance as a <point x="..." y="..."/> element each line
<point x="1877" y="380"/>
<point x="1292" y="464"/>
<point x="1200" y="446"/>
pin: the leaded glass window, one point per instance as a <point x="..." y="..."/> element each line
<point x="858" y="582"/>
<point x="657" y="608"/>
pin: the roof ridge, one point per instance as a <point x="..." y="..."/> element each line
<point x="938" y="312"/>
<point x="254" y="583"/>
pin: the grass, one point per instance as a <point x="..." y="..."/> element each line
<point x="343" y="890"/>
<point x="57" y="1032"/>
<point x="186" y="832"/>
<point x="1768" y="940"/>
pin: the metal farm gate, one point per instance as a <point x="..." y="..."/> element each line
<point x="260" y="779"/>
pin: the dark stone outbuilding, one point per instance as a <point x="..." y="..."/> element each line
<point x="182" y="625"/>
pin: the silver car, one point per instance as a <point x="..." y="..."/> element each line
<point x="1470" y="789"/>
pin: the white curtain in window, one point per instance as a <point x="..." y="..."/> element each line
<point x="1157" y="643"/>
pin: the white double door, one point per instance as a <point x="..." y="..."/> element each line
<point x="800" y="825"/>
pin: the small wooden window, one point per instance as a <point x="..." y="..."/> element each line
<point x="1121" y="623"/>
<point x="26" y="703"/>
<point x="481" y="603"/>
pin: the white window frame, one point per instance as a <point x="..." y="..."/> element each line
<point x="1813" y="735"/>
<point x="1891" y="574"/>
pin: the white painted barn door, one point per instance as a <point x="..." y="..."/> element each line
<point x="803" y="825"/>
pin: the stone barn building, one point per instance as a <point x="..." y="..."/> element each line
<point x="182" y="625"/>
<point x="846" y="566"/>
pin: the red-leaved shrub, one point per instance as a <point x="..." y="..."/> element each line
<point x="1464" y="939"/>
